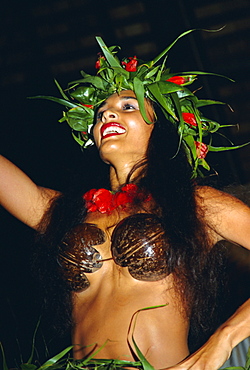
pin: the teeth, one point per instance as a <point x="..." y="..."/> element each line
<point x="113" y="130"/>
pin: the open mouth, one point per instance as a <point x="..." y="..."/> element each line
<point x="112" y="128"/>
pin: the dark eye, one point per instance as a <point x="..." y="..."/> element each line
<point x="128" y="106"/>
<point x="99" y="115"/>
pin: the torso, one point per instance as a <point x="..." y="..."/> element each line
<point x="104" y="313"/>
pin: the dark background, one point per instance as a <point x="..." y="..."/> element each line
<point x="43" y="40"/>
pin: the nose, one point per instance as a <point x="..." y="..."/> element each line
<point x="109" y="114"/>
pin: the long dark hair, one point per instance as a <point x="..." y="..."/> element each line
<point x="166" y="174"/>
<point x="197" y="267"/>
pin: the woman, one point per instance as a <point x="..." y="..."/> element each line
<point x="148" y="243"/>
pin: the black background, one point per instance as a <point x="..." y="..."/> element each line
<point x="33" y="139"/>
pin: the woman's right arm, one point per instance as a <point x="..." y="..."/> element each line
<point x="20" y="196"/>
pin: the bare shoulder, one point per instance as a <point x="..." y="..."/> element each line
<point x="207" y="194"/>
<point x="226" y="215"/>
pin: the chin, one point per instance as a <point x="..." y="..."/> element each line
<point x="107" y="155"/>
<point x="108" y="149"/>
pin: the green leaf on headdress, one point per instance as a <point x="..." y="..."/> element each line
<point x="61" y="90"/>
<point x="142" y="71"/>
<point x="190" y="149"/>
<point x="78" y="139"/>
<point x="120" y="81"/>
<point x="139" y="92"/>
<point x="168" y="87"/>
<point x="152" y="72"/>
<point x="181" y="124"/>
<point x="113" y="62"/>
<point x="202" y="162"/>
<point x="57" y="100"/>
<point x="199" y="124"/>
<point x="209" y="125"/>
<point x="107" y="74"/>
<point x="164" y="52"/>
<point x="108" y="55"/>
<point x="84" y="94"/>
<point x="77" y="119"/>
<point x="223" y="148"/>
<point x="76" y="124"/>
<point x="203" y="103"/>
<point x="185" y="93"/>
<point x="156" y="92"/>
<point x="207" y="74"/>
<point x="95" y="81"/>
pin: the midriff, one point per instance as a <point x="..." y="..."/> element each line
<point x="104" y="315"/>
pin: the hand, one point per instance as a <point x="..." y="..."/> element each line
<point x="217" y="350"/>
<point x="211" y="356"/>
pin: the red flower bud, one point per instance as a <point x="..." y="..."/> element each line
<point x="131" y="65"/>
<point x="178" y="80"/>
<point x="201" y="149"/>
<point x="88" y="105"/>
<point x="98" y="62"/>
<point x="189" y="118"/>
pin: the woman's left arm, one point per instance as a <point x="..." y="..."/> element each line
<point x="226" y="216"/>
<point x="217" y="350"/>
<point x="229" y="219"/>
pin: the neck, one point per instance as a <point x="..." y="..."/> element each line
<point x="118" y="176"/>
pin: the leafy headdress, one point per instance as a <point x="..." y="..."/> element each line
<point x="147" y="79"/>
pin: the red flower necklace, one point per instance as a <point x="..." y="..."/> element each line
<point x="105" y="201"/>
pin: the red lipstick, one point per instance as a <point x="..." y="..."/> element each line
<point x="112" y="128"/>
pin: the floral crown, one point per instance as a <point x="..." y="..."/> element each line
<point x="147" y="79"/>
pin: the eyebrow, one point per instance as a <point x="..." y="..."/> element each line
<point x="128" y="97"/>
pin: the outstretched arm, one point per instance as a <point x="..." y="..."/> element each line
<point x="20" y="196"/>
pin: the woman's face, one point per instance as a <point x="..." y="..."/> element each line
<point x="120" y="128"/>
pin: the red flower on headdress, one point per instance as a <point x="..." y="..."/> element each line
<point x="131" y="65"/>
<point x="178" y="80"/>
<point x="201" y="149"/>
<point x="88" y="105"/>
<point x="98" y="62"/>
<point x="189" y="118"/>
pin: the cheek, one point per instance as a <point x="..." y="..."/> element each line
<point x="142" y="135"/>
<point x="148" y="131"/>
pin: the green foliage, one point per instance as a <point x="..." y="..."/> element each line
<point x="146" y="79"/>
<point x="62" y="361"/>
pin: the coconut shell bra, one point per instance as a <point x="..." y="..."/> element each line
<point x="138" y="242"/>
